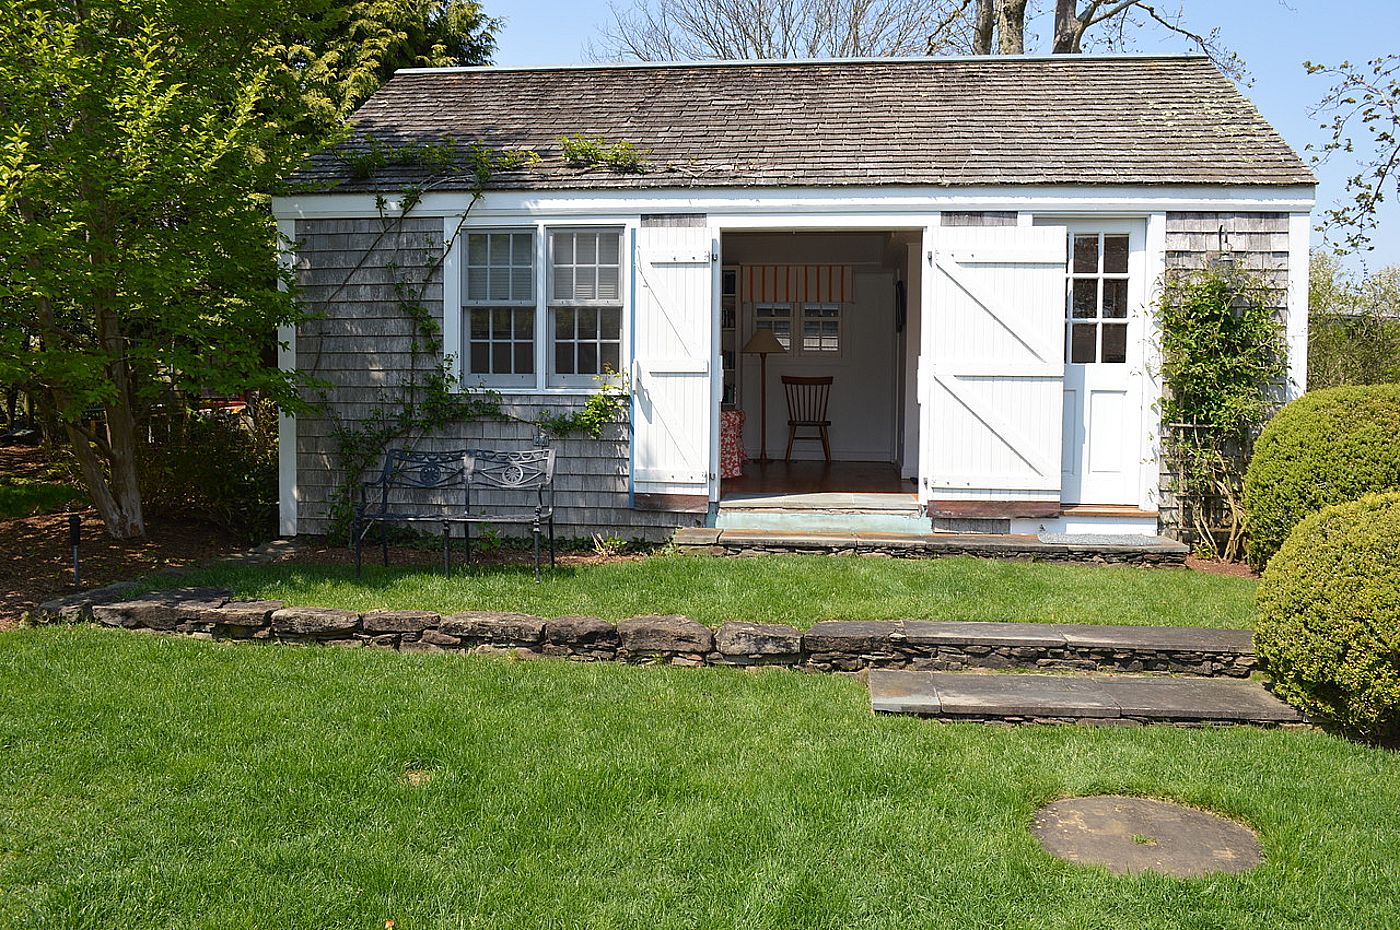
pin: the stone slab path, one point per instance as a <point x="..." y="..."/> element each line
<point x="1037" y="698"/>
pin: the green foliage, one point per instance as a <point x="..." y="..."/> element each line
<point x="27" y="497"/>
<point x="605" y="406"/>
<point x="138" y="142"/>
<point x="1353" y="325"/>
<point x="1362" y="113"/>
<point x="1329" y="617"/>
<point x="621" y="157"/>
<point x="218" y="466"/>
<point x="1223" y="359"/>
<point x="1324" y="448"/>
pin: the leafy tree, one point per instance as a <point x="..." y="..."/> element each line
<point x="1362" y="112"/>
<point x="1353" y="325"/>
<point x="138" y="143"/>
<point x="673" y="30"/>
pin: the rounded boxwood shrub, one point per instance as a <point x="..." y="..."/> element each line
<point x="1329" y="617"/>
<point x="1324" y="448"/>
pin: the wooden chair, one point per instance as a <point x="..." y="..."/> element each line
<point x="806" y="400"/>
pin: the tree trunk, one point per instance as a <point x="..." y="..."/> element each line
<point x="126" y="520"/>
<point x="985" y="27"/>
<point x="1011" y="27"/>
<point x="1069" y="28"/>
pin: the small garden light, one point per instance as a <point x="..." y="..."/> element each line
<point x="75" y="535"/>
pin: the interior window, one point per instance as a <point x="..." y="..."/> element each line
<point x="821" y="328"/>
<point x="499" y="304"/>
<point x="1096" y="315"/>
<point x="585" y="303"/>
<point x="775" y="317"/>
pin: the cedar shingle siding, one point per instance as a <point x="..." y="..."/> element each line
<point x="359" y="345"/>
<point x="988" y="121"/>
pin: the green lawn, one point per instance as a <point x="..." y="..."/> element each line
<point x="790" y="589"/>
<point x="167" y="783"/>
<point x="24" y="497"/>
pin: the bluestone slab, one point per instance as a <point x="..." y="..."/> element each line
<point x="895" y="691"/>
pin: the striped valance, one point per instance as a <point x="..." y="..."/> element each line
<point x="781" y="284"/>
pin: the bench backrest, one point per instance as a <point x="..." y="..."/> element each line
<point x="526" y="470"/>
<point x="410" y="469"/>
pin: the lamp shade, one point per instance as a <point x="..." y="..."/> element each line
<point x="763" y="342"/>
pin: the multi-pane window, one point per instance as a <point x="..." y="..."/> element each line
<point x="775" y="317"/>
<point x="585" y="303"/>
<point x="499" y="298"/>
<point x="821" y="328"/>
<point x="1096" y="317"/>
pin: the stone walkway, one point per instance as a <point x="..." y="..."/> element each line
<point x="720" y="541"/>
<point x="1097" y="699"/>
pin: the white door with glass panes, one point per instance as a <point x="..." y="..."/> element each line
<point x="1105" y="293"/>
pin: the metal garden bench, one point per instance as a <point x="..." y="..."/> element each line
<point x="480" y="486"/>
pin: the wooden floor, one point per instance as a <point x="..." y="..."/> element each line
<point x="805" y="477"/>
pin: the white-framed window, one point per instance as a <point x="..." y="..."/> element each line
<point x="818" y="326"/>
<point x="499" y="306"/>
<point x="775" y="317"/>
<point x="821" y="329"/>
<point x="585" y="304"/>
<point x="1096" y="300"/>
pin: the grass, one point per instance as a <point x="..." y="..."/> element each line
<point x="789" y="589"/>
<point x="162" y="782"/>
<point x="24" y="497"/>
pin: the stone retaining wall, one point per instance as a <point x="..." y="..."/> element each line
<point x="829" y="646"/>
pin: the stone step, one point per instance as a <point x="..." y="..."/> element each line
<point x="1099" y="699"/>
<point x="732" y="540"/>
<point x="942" y="645"/>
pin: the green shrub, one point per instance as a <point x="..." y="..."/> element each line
<point x="1324" y="448"/>
<point x="216" y="466"/>
<point x="1329" y="617"/>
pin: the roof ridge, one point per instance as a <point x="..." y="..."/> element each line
<point x="1070" y="57"/>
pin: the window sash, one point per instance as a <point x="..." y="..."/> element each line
<point x="585" y="341"/>
<point x="499" y="268"/>
<point x="585" y="267"/>
<point x="1097" y="298"/>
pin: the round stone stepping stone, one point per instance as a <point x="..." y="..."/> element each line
<point x="1127" y="835"/>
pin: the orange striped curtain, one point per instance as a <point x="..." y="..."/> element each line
<point x="784" y="284"/>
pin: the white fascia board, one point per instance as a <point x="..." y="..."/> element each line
<point x="780" y="203"/>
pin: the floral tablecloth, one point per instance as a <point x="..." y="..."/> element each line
<point x="731" y="443"/>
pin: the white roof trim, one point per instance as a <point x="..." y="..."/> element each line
<point x="766" y="62"/>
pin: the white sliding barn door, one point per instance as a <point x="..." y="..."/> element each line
<point x="992" y="364"/>
<point x="672" y="347"/>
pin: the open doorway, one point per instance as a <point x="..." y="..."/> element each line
<point x="828" y="305"/>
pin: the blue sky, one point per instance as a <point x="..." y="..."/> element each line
<point x="1273" y="36"/>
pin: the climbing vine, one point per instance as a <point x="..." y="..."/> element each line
<point x="1224" y="359"/>
<point x="596" y="152"/>
<point x="429" y="397"/>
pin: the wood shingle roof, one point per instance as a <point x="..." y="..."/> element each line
<point x="1075" y="119"/>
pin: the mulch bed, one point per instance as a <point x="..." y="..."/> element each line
<point x="1220" y="567"/>
<point x="36" y="563"/>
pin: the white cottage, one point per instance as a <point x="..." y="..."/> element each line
<point x="967" y="248"/>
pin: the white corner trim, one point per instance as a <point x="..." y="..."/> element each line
<point x="1299" y="244"/>
<point x="287" y="491"/>
<point x="452" y="300"/>
<point x="1156" y="253"/>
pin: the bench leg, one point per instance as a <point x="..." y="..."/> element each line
<point x="551" y="542"/>
<point x="467" y="533"/>
<point x="357" y="534"/>
<point x="537" y="550"/>
<point x="384" y="542"/>
<point x="446" y="548"/>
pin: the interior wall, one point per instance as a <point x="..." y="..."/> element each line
<point x="864" y="405"/>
